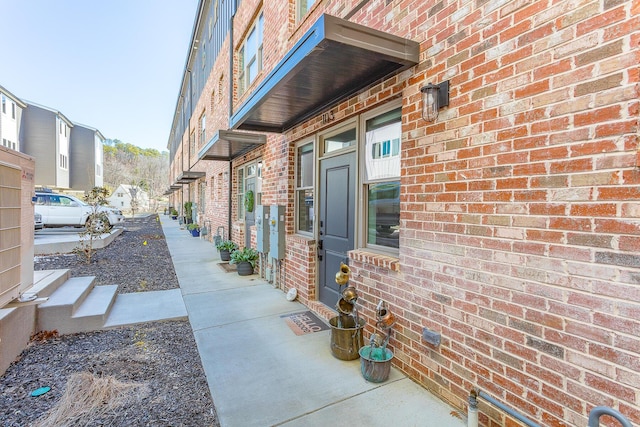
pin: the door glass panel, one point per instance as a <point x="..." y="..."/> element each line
<point x="340" y="141"/>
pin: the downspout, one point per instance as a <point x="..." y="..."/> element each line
<point x="230" y="190"/>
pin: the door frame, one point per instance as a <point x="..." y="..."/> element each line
<point x="256" y="177"/>
<point x="321" y="156"/>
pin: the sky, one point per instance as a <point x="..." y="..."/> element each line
<point x="113" y="65"/>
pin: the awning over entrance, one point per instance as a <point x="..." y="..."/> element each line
<point x="171" y="189"/>
<point x="228" y="144"/>
<point x="334" y="60"/>
<point x="188" y="176"/>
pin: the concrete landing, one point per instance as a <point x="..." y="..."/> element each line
<point x="260" y="373"/>
<point x="130" y="309"/>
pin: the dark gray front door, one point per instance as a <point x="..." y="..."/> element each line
<point x="249" y="217"/>
<point x="336" y="226"/>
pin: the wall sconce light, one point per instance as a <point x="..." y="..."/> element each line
<point x="434" y="97"/>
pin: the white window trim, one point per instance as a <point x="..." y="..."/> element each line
<point x="314" y="142"/>
<point x="243" y="75"/>
<point x="361" y="235"/>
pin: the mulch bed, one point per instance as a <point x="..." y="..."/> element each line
<point x="160" y="356"/>
<point x="138" y="260"/>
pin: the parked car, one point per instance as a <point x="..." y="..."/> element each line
<point x="61" y="210"/>
<point x="37" y="220"/>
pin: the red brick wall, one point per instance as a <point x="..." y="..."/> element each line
<point x="520" y="206"/>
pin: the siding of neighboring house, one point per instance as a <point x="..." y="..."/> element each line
<point x="519" y="207"/>
<point x="11" y="109"/>
<point x="121" y="198"/>
<point x="86" y="158"/>
<point x="46" y="137"/>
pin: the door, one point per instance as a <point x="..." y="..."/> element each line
<point x="336" y="221"/>
<point x="249" y="217"/>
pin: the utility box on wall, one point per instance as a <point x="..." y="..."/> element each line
<point x="262" y="228"/>
<point x="276" y="227"/>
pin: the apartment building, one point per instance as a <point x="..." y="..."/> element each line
<point x="505" y="218"/>
<point x="69" y="156"/>
<point x="11" y="110"/>
<point x="86" y="158"/>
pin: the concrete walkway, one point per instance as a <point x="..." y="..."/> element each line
<point x="261" y="373"/>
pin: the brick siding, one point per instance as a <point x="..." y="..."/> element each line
<point x="520" y="205"/>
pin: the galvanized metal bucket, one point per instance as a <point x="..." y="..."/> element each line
<point x="346" y="340"/>
<point x="375" y="363"/>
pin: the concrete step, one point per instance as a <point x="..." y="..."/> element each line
<point x="45" y="282"/>
<point x="94" y="311"/>
<point x="56" y="313"/>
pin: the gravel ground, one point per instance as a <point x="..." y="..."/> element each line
<point x="138" y="260"/>
<point x="161" y="356"/>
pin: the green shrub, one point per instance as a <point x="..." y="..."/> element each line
<point x="226" y="245"/>
<point x="249" y="255"/>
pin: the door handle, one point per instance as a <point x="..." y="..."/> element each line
<point x="320" y="246"/>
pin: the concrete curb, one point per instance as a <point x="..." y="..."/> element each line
<point x="69" y="243"/>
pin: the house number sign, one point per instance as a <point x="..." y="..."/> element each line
<point x="327" y="117"/>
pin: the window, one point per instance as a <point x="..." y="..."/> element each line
<point x="219" y="187"/>
<point x="203" y="128"/>
<point x="241" y="193"/>
<point x="220" y="87"/>
<point x="63" y="161"/>
<point x="338" y="142"/>
<point x="13" y="110"/>
<point x="4" y="104"/>
<point x="204" y="54"/>
<point x="305" y="172"/>
<point x="249" y="178"/>
<point x="251" y="56"/>
<point x="382" y="179"/>
<point x="202" y="196"/>
<point x="303" y="8"/>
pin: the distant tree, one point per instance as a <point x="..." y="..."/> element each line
<point x="148" y="168"/>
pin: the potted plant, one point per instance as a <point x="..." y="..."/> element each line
<point x="226" y="247"/>
<point x="245" y="259"/>
<point x="194" y="229"/>
<point x="174" y="213"/>
<point x="188" y="212"/>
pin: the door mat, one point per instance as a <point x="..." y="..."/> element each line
<point x="228" y="268"/>
<point x="304" y="323"/>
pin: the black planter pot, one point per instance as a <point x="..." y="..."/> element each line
<point x="225" y="255"/>
<point x="244" y="268"/>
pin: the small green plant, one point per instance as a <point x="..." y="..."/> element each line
<point x="226" y="245"/>
<point x="188" y="211"/>
<point x="249" y="200"/>
<point x="193" y="226"/>
<point x="174" y="212"/>
<point x="97" y="223"/>
<point x="249" y="255"/>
